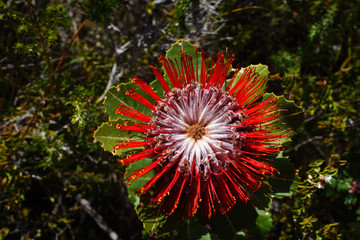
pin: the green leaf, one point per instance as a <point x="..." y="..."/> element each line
<point x="158" y="225"/>
<point x="157" y="88"/>
<point x="263" y="224"/>
<point x="261" y="197"/>
<point x="117" y="95"/>
<point x="138" y="183"/>
<point x="206" y="237"/>
<point x="155" y="224"/>
<point x="263" y="72"/>
<point x="284" y="184"/>
<point x="109" y="136"/>
<point x="174" y="53"/>
<point x="191" y="229"/>
<point x="226" y="226"/>
<point x="241" y="236"/>
<point x="316" y="163"/>
<point x="293" y="115"/>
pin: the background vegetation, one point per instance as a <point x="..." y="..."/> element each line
<point x="57" y="58"/>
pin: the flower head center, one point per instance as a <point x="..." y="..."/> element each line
<point x="196" y="131"/>
<point x="198" y="127"/>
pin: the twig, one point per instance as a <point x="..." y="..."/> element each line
<point x="309" y="140"/>
<point x="57" y="205"/>
<point x="68" y="47"/>
<point x="313" y="117"/>
<point x="97" y="218"/>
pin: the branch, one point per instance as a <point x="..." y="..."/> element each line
<point x="309" y="140"/>
<point x="118" y="52"/>
<point x="97" y="218"/>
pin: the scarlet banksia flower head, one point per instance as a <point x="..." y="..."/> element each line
<point x="201" y="141"/>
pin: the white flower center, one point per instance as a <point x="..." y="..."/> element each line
<point x="198" y="126"/>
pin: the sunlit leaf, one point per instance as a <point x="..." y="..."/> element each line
<point x="117" y="95"/>
<point x="109" y="136"/>
<point x="174" y="53"/>
<point x="260" y="69"/>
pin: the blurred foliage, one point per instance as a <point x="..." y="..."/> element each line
<point x="57" y="57"/>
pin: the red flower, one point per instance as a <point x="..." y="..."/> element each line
<point x="210" y="139"/>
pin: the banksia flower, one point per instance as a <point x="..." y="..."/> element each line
<point x="210" y="139"/>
